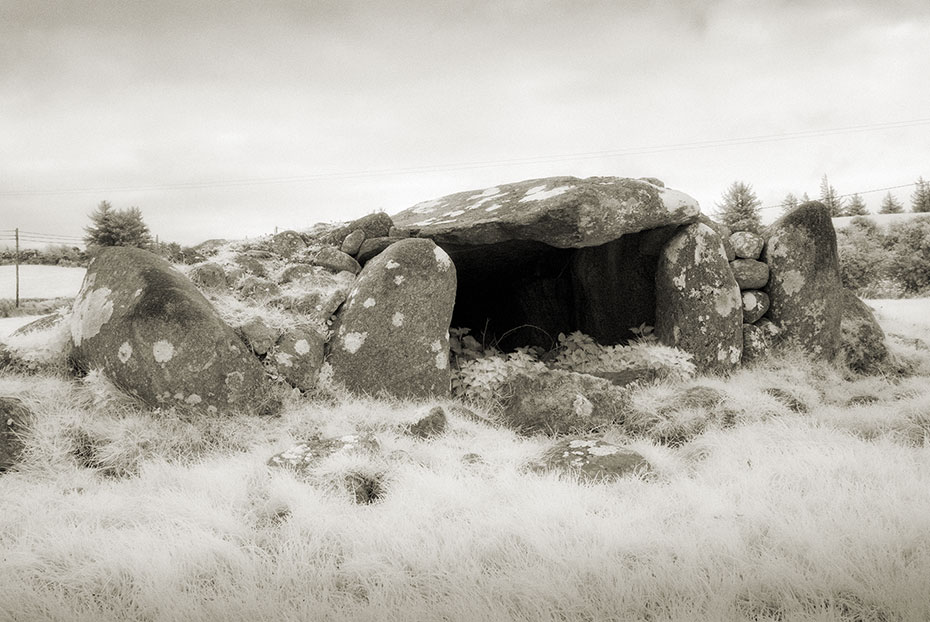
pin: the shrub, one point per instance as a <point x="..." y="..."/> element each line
<point x="885" y="264"/>
<point x="478" y="372"/>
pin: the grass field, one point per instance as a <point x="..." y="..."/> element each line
<point x="40" y="281"/>
<point x="814" y="508"/>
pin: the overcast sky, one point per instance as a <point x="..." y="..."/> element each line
<point x="228" y="119"/>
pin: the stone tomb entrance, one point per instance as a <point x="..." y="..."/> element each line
<point x="522" y="292"/>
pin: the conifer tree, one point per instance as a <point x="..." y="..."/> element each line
<point x="920" y="200"/>
<point x="740" y="208"/>
<point x="829" y="198"/>
<point x="890" y="205"/>
<point x="856" y="206"/>
<point x="789" y="203"/>
<point x="113" y="227"/>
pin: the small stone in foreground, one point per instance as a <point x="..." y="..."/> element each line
<point x="431" y="425"/>
<point x="308" y="454"/>
<point x="592" y="460"/>
<point x="13" y="418"/>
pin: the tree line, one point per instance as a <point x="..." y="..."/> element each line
<point x="739" y="207"/>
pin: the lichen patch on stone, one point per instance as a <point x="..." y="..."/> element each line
<point x="443" y="259"/>
<point x="125" y="352"/>
<point x="391" y="265"/>
<point x="163" y="351"/>
<point x="302" y="347"/>
<point x="426" y="206"/>
<point x="285" y="359"/>
<point x="678" y="202"/>
<point x="398" y="319"/>
<point x="351" y="342"/>
<point x="539" y="193"/>
<point x="792" y="281"/>
<point x="94" y="310"/>
<point x="442" y="358"/>
<point x="726" y="301"/>
<point x="398" y="279"/>
<point x="603" y="450"/>
<point x="369" y="303"/>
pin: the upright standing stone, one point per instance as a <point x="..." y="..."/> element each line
<point x="698" y="303"/>
<point x="156" y="337"/>
<point x="804" y="285"/>
<point x="392" y="333"/>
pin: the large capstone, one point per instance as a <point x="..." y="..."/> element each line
<point x="698" y="304"/>
<point x="804" y="285"/>
<point x="545" y="256"/>
<point x="154" y="335"/>
<point x="391" y="334"/>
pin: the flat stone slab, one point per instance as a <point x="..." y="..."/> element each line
<point x="565" y="212"/>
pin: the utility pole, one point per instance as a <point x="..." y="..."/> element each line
<point x="17" y="267"/>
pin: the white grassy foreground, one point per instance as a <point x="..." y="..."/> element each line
<point x="766" y="514"/>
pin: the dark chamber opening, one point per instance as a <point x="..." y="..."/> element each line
<point x="524" y="293"/>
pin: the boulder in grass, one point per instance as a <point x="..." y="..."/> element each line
<point x="392" y="333"/>
<point x="258" y="336"/>
<point x="308" y="454"/>
<point x="209" y="276"/>
<point x="335" y="260"/>
<point x="287" y="243"/>
<point x="44" y="323"/>
<point x="295" y="272"/>
<point x="251" y="264"/>
<point x="374" y="225"/>
<point x="432" y="425"/>
<point x="298" y="357"/>
<point x="559" y="402"/>
<point x="804" y="286"/>
<point x="749" y="273"/>
<point x="755" y="304"/>
<point x="14" y="418"/>
<point x="353" y="242"/>
<point x="255" y="288"/>
<point x="747" y="245"/>
<point x="155" y="336"/>
<point x="863" y="346"/>
<point x="698" y="304"/>
<point x="592" y="459"/>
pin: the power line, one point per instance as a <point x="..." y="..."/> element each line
<point x="51" y="235"/>
<point x="642" y="150"/>
<point x="840" y="196"/>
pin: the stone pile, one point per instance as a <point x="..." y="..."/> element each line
<point x="752" y="275"/>
<point x="369" y="304"/>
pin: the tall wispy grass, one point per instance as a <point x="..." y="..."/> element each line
<point x="788" y="491"/>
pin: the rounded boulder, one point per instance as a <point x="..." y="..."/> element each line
<point x="698" y="304"/>
<point x="392" y="333"/>
<point x="804" y="283"/>
<point x="154" y="335"/>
